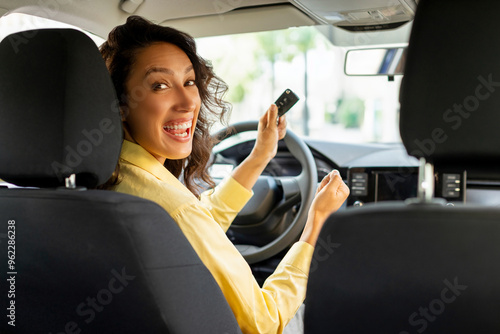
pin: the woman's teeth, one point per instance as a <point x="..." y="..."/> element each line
<point x="184" y="134"/>
<point x="181" y="126"/>
<point x="177" y="129"/>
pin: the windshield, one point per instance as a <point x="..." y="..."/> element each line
<point x="258" y="67"/>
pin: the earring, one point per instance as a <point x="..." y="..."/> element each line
<point x="124" y="113"/>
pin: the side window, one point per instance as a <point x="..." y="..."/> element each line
<point x="16" y="22"/>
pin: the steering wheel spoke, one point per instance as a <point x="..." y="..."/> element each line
<point x="291" y="194"/>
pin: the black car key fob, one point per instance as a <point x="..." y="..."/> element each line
<point x="286" y="101"/>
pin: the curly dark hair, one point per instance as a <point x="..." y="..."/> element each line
<point x="120" y="51"/>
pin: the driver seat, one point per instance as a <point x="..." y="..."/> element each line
<point x="426" y="266"/>
<point x="79" y="259"/>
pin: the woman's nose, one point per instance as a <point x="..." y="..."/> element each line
<point x="186" y="99"/>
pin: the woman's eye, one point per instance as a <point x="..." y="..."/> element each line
<point x="190" y="83"/>
<point x="159" y="86"/>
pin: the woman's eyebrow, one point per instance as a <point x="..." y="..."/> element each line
<point x="165" y="70"/>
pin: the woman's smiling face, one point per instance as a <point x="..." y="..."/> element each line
<point x="163" y="102"/>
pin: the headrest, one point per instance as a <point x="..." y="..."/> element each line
<point x="450" y="95"/>
<point x="59" y="113"/>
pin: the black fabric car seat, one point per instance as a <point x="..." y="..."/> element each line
<point x="425" y="266"/>
<point x="75" y="260"/>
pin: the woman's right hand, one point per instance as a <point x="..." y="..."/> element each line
<point x="331" y="194"/>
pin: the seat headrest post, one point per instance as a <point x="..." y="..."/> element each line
<point x="70" y="181"/>
<point x="425" y="181"/>
<point x="425" y="186"/>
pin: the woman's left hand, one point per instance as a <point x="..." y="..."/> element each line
<point x="269" y="132"/>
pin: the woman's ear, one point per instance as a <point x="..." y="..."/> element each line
<point x="124" y="113"/>
<point x="126" y="132"/>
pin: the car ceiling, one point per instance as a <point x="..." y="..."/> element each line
<point x="216" y="17"/>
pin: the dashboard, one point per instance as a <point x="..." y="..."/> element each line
<point x="373" y="172"/>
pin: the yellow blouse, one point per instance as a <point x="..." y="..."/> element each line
<point x="204" y="221"/>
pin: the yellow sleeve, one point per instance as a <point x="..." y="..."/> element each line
<point x="257" y="310"/>
<point x="225" y="201"/>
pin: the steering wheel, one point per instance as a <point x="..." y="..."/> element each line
<point x="274" y="199"/>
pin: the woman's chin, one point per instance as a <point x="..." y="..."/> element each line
<point x="178" y="152"/>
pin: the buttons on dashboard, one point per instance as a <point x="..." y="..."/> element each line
<point x="451" y="185"/>
<point x="359" y="186"/>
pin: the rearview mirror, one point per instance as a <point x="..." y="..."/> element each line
<point x="383" y="61"/>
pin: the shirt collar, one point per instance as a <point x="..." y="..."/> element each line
<point x="138" y="156"/>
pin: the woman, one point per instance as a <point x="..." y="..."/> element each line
<point x="169" y="97"/>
